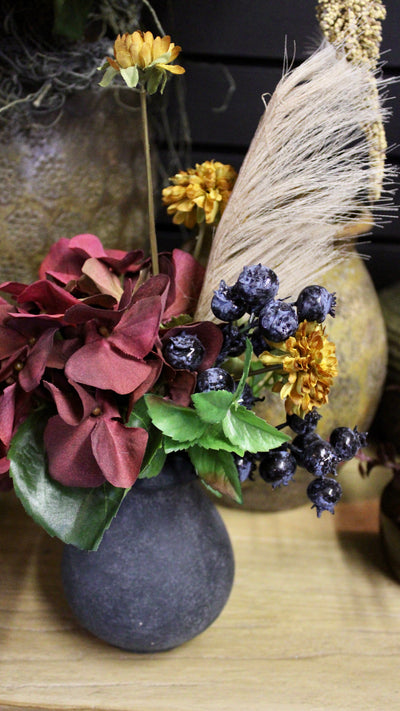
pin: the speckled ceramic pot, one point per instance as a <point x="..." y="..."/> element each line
<point x="83" y="173"/>
<point x="164" y="569"/>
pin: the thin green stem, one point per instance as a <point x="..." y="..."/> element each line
<point x="150" y="197"/>
<point x="199" y="240"/>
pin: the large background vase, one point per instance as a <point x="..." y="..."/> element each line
<point x="84" y="172"/>
<point x="164" y="569"/>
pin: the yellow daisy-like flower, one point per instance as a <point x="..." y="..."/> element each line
<point x="199" y="194"/>
<point x="142" y="58"/>
<point x="309" y="365"/>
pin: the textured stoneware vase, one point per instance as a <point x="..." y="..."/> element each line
<point x="82" y="173"/>
<point x="164" y="569"/>
<point x="359" y="333"/>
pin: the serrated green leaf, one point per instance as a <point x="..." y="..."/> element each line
<point x="243" y="427"/>
<point x="180" y="423"/>
<point x="108" y="76"/>
<point x="217" y="470"/>
<point x="130" y="76"/>
<point x="76" y="515"/>
<point x="213" y="405"/>
<point x="212" y="438"/>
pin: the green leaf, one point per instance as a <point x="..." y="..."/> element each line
<point x="76" y="515"/>
<point x="213" y="405"/>
<point x="217" y="470"/>
<point x="70" y="17"/>
<point x="212" y="438"/>
<point x="139" y="416"/>
<point x="130" y="75"/>
<point x="155" y="77"/>
<point x="180" y="423"/>
<point x="108" y="76"/>
<point x="243" y="427"/>
<point x="153" y="462"/>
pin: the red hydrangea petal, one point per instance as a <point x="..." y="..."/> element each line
<point x="188" y="280"/>
<point x="7" y="410"/>
<point x="61" y="262"/>
<point x="73" y="405"/>
<point x="10" y="342"/>
<point x="69" y="452"/>
<point x="30" y="375"/>
<point x="48" y="296"/>
<point x="87" y="245"/>
<point x="99" y="365"/>
<point x="119" y="451"/>
<point x="155" y="367"/>
<point x="137" y="330"/>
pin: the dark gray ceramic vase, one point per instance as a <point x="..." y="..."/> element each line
<point x="163" y="571"/>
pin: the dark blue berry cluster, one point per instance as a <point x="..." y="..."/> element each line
<point x="317" y="455"/>
<point x="271" y="319"/>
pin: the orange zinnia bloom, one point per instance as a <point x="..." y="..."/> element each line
<point x="309" y="365"/>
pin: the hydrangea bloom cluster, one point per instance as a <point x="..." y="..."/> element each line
<point x="107" y="358"/>
<point x="85" y="338"/>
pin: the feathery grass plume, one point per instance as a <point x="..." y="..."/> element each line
<point x="304" y="180"/>
<point x="355" y="27"/>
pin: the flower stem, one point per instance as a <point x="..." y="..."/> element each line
<point x="199" y="240"/>
<point x="150" y="198"/>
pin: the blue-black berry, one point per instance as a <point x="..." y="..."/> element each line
<point x="234" y="342"/>
<point x="226" y="304"/>
<point x="245" y="465"/>
<point x="314" y="303"/>
<point x="184" y="351"/>
<point x="306" y="424"/>
<point x="278" y="320"/>
<point x="324" y="494"/>
<point x="277" y="467"/>
<point x="346" y="442"/>
<point x="318" y="456"/>
<point x="214" y="379"/>
<point x="256" y="285"/>
<point x="258" y="342"/>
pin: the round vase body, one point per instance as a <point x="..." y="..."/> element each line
<point x="359" y="334"/>
<point x="163" y="571"/>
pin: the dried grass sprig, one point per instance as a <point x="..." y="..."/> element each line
<point x="305" y="179"/>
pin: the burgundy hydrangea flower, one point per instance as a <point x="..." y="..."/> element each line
<point x="86" y="442"/>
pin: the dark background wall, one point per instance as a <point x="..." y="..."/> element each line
<point x="233" y="53"/>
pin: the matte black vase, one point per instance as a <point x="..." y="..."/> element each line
<point x="163" y="571"/>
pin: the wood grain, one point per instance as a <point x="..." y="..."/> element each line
<point x="313" y="622"/>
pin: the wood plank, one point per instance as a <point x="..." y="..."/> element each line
<point x="313" y="622"/>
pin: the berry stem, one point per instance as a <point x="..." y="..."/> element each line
<point x="150" y="197"/>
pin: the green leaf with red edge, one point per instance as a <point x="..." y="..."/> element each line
<point x="217" y="470"/>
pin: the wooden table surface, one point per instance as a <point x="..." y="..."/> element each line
<point x="313" y="622"/>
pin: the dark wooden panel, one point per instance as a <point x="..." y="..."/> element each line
<point x="256" y="28"/>
<point x="224" y="103"/>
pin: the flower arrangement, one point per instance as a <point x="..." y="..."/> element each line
<point x="106" y="367"/>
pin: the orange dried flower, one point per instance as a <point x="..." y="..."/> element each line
<point x="309" y="365"/>
<point x="142" y="58"/>
<point x="199" y="194"/>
